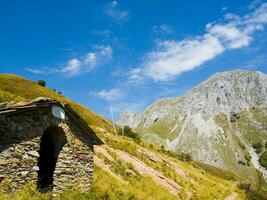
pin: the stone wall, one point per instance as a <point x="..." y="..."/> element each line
<point x="20" y="135"/>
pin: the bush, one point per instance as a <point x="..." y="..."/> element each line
<point x="248" y="157"/>
<point x="241" y="162"/>
<point x="128" y="132"/>
<point x="41" y="83"/>
<point x="186" y="157"/>
<point x="242" y="146"/>
<point x="258" y="147"/>
<point x="259" y="150"/>
<point x="263" y="160"/>
<point x="244" y="186"/>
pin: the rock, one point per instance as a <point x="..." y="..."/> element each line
<point x="60" y="165"/>
<point x="33" y="153"/>
<point x="90" y="169"/>
<point x="36" y="168"/>
<point x="41" y="99"/>
<point x="14" y="160"/>
<point x="6" y="153"/>
<point x="129" y="172"/>
<point x="58" y="172"/>
<point x="25" y="156"/>
<point x="129" y="118"/>
<point x="66" y="161"/>
<point x="2" y="176"/>
<point x="24" y="173"/>
<point x="18" y="152"/>
<point x="3" y="162"/>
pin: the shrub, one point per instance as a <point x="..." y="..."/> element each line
<point x="263" y="160"/>
<point x="258" y="147"/>
<point x="41" y="83"/>
<point x="244" y="186"/>
<point x="128" y="132"/>
<point x="248" y="157"/>
<point x="242" y="146"/>
<point x="186" y="157"/>
<point x="241" y="162"/>
<point x="259" y="150"/>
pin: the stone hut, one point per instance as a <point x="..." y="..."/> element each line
<point x="47" y="143"/>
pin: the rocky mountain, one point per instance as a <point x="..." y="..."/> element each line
<point x="123" y="167"/>
<point x="221" y="122"/>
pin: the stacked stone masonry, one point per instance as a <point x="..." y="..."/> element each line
<point x="20" y="145"/>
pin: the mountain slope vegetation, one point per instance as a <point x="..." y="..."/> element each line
<point x="126" y="168"/>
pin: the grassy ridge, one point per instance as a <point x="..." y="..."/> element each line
<point x="16" y="88"/>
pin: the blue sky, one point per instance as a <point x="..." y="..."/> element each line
<point x="127" y="54"/>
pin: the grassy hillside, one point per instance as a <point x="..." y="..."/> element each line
<point x="16" y="88"/>
<point x="124" y="168"/>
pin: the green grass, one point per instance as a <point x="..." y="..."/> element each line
<point x="104" y="187"/>
<point x="205" y="180"/>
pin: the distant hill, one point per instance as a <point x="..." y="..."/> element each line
<point x="127" y="168"/>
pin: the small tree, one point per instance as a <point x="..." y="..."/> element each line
<point x="128" y="132"/>
<point x="186" y="157"/>
<point x="41" y="83"/>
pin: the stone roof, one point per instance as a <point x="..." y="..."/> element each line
<point x="14" y="107"/>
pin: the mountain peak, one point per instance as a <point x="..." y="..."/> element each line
<point x="228" y="91"/>
<point x="216" y="122"/>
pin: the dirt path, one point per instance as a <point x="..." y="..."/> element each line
<point x="146" y="170"/>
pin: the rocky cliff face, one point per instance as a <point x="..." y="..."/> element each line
<point x="217" y="122"/>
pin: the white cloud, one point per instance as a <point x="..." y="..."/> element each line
<point x="85" y="63"/>
<point x="115" y="13"/>
<point x="105" y="51"/>
<point x="174" y="58"/>
<point x="162" y="29"/>
<point x="38" y="71"/>
<point x="90" y="58"/>
<point x="134" y="75"/>
<point x="109" y="95"/>
<point x="73" y="67"/>
<point x="171" y="58"/>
